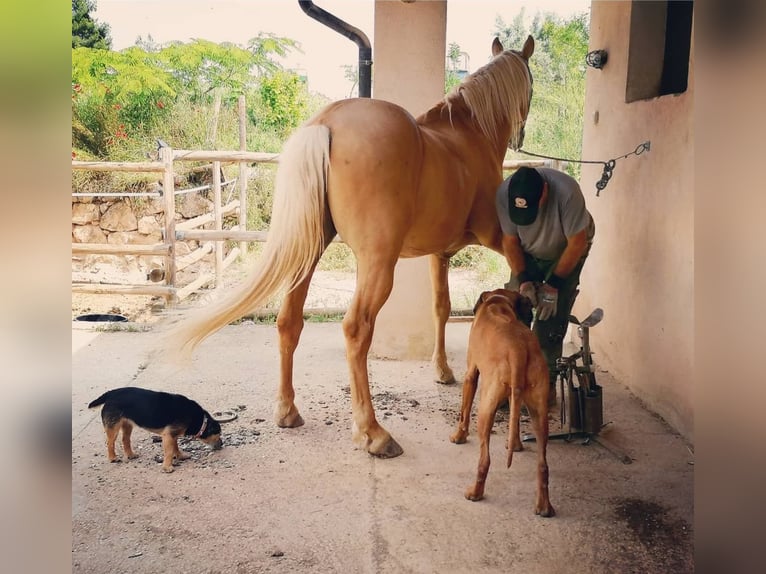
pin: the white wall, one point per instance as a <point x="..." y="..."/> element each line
<point x="641" y="267"/>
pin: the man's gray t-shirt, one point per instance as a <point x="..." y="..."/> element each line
<point x="563" y="215"/>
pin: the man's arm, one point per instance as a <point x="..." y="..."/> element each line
<point x="514" y="254"/>
<point x="576" y="247"/>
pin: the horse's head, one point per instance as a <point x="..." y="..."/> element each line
<point x="517" y="136"/>
<point x="498" y="95"/>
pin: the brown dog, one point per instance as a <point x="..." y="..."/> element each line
<point x="507" y="355"/>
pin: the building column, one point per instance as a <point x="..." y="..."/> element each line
<point x="408" y="69"/>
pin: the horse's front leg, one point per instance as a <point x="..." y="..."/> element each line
<point x="374" y="283"/>
<point x="289" y="327"/>
<point x="439" y="267"/>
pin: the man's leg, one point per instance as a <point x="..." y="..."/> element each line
<point x="551" y="332"/>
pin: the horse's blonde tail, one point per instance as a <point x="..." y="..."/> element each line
<point x="294" y="244"/>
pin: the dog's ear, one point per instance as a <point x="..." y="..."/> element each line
<point x="523" y="308"/>
<point x="479" y="301"/>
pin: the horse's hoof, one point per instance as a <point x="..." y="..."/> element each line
<point x="290" y="421"/>
<point x="545" y="511"/>
<point x="390" y="449"/>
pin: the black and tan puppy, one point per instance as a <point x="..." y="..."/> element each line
<point x="506" y="354"/>
<point x="168" y="415"/>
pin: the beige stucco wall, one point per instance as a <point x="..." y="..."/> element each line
<point x="408" y="69"/>
<point x="641" y="267"/>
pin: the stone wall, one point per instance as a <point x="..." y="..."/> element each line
<point x="122" y="221"/>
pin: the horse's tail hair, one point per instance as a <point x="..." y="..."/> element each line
<point x="294" y="244"/>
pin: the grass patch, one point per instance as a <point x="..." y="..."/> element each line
<point x="269" y="318"/>
<point x="122" y="327"/>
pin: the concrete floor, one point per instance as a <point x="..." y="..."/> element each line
<point x="307" y="500"/>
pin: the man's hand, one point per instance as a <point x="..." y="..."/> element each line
<point x="528" y="290"/>
<point x="548" y="298"/>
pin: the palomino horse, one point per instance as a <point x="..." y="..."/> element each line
<point x="392" y="186"/>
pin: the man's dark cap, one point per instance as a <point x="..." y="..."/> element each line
<point x="525" y="188"/>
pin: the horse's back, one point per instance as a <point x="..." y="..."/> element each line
<point x="426" y="184"/>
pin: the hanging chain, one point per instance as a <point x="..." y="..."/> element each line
<point x="609" y="165"/>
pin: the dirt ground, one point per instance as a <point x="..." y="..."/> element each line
<point x="329" y="289"/>
<point x="308" y="500"/>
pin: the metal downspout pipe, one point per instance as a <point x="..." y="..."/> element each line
<point x="352" y="33"/>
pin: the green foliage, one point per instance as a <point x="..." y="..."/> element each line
<point x="554" y="125"/>
<point x="337" y="257"/>
<point x="264" y="47"/>
<point x="86" y="32"/>
<point x="201" y="66"/>
<point x="452" y="75"/>
<point x="351" y="73"/>
<point x="451" y="80"/>
<point x="122" y="101"/>
<point x="284" y="99"/>
<point x="466" y="257"/>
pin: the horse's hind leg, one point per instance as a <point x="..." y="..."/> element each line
<point x="374" y="282"/>
<point x="439" y="267"/>
<point x="289" y="327"/>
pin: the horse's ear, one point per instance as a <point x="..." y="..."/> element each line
<point x="529" y="48"/>
<point x="497" y="47"/>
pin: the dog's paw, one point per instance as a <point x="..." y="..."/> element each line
<point x="182" y="455"/>
<point x="115" y="460"/>
<point x="474" y="494"/>
<point x="132" y="456"/>
<point x="458" y="437"/>
<point x="167" y="469"/>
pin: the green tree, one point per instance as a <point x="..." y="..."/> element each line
<point x="351" y="73"/>
<point x="264" y="47"/>
<point x="86" y="32"/>
<point x="201" y="66"/>
<point x="555" y="122"/>
<point x="452" y="75"/>
<point x="285" y="100"/>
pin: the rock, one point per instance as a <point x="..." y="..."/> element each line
<point x="88" y="234"/>
<point x="84" y="213"/>
<point x="150" y="206"/>
<point x="148" y="225"/>
<point x="119" y="217"/>
<point x="193" y="204"/>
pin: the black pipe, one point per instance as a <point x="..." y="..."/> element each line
<point x="352" y="33"/>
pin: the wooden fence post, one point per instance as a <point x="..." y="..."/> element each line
<point x="213" y="128"/>
<point x="169" y="201"/>
<point x="218" y="222"/>
<point x="243" y="172"/>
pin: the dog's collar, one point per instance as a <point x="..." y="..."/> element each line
<point x="202" y="428"/>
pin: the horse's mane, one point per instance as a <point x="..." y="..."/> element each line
<point x="496" y="94"/>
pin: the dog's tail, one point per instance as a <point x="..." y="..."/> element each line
<point x="99" y="401"/>
<point x="295" y="241"/>
<point x="513" y="422"/>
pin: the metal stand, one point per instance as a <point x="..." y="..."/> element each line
<point x="585" y="412"/>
